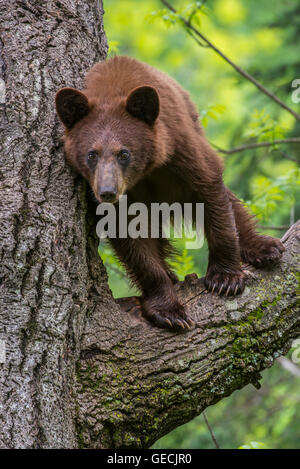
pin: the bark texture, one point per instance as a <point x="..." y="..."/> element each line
<point x="81" y="370"/>
<point x="44" y="273"/>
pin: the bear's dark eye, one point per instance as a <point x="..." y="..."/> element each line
<point x="123" y="156"/>
<point x="92" y="158"/>
<point x="92" y="155"/>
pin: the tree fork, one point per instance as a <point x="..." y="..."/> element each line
<point x="80" y="370"/>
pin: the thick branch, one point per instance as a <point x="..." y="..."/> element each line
<point x="136" y="382"/>
<point x="228" y="60"/>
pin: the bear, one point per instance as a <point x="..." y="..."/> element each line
<point x="134" y="130"/>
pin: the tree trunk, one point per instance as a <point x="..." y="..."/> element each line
<point x="76" y="368"/>
<point x="46" y="274"/>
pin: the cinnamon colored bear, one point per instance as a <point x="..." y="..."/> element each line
<point x="134" y="130"/>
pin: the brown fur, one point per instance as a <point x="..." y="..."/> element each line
<point x="129" y="105"/>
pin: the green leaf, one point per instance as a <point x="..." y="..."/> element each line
<point x="182" y="264"/>
<point x="113" y="47"/>
<point x="254" y="445"/>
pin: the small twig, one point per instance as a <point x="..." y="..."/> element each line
<point x="236" y="67"/>
<point x="210" y="431"/>
<point x="196" y="39"/>
<point x="192" y="16"/>
<point x="287" y="156"/>
<point x="250" y="146"/>
<point x="292" y="215"/>
<point x="279" y="228"/>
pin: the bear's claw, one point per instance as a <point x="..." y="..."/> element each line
<point x="225" y="283"/>
<point x="167" y="316"/>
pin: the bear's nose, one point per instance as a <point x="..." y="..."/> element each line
<point x="108" y="196"/>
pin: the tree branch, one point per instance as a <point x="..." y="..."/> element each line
<point x="288" y="157"/>
<point x="250" y="146"/>
<point x="136" y="382"/>
<point x="277" y="228"/>
<point x="236" y="67"/>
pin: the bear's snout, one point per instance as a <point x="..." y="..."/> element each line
<point x="108" y="195"/>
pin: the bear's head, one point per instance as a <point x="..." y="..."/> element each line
<point x="112" y="142"/>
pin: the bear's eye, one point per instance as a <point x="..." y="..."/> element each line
<point x="91" y="159"/>
<point x="92" y="155"/>
<point x="123" y="156"/>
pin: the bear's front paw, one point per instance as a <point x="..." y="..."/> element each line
<point x="166" y="315"/>
<point x="224" y="283"/>
<point x="264" y="251"/>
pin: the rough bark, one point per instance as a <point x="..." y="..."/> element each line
<point x="45" y="273"/>
<point x="80" y="370"/>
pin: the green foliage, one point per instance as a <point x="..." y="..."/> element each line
<point x="268" y="193"/>
<point x="167" y="17"/>
<point x="113" y="48"/>
<point x="183" y="264"/>
<point x="191" y="13"/>
<point x="254" y="445"/>
<point x="263" y="128"/>
<point x="212" y="112"/>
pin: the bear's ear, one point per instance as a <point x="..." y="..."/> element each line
<point x="71" y="106"/>
<point x="143" y="103"/>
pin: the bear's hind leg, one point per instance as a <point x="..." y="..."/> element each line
<point x="255" y="249"/>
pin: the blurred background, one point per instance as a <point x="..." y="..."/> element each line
<point x="263" y="39"/>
